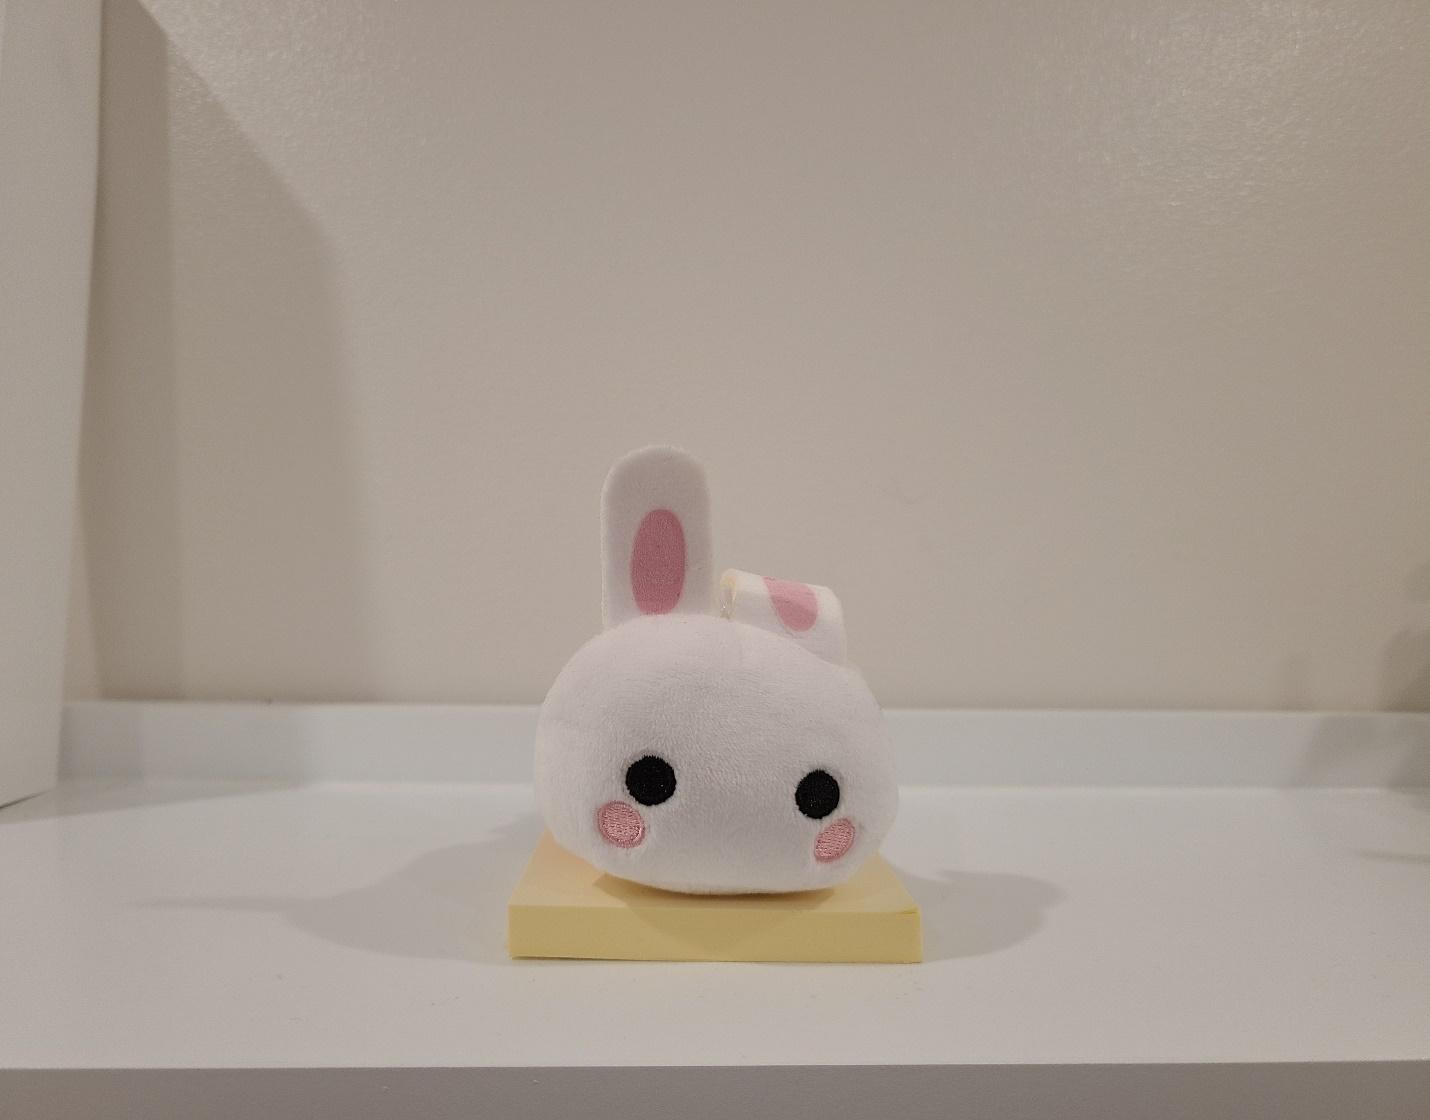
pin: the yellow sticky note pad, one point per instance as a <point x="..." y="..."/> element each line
<point x="564" y="907"/>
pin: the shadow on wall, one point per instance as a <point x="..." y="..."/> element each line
<point x="210" y="282"/>
<point x="1405" y="686"/>
<point x="1397" y="750"/>
<point x="1351" y="750"/>
<point x="1405" y="662"/>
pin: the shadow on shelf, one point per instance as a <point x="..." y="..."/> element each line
<point x="450" y="904"/>
<point x="974" y="913"/>
<point x="447" y="904"/>
<point x="113" y="795"/>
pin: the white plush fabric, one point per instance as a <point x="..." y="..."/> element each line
<point x="817" y="626"/>
<point x="741" y="714"/>
<point x="654" y="478"/>
<point x="742" y="709"/>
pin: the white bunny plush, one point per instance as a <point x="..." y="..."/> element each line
<point x="712" y="751"/>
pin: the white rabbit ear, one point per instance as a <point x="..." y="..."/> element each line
<point x="808" y="615"/>
<point x="655" y="537"/>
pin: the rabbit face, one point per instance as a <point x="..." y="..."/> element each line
<point x="700" y="754"/>
<point x="709" y="753"/>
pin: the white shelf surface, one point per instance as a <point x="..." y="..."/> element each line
<point x="163" y="924"/>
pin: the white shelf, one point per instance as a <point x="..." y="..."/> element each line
<point x="1107" y="943"/>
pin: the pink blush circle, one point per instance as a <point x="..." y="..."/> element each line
<point x="795" y="603"/>
<point x="620" y="824"/>
<point x="834" y="841"/>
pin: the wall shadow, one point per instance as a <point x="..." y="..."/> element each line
<point x="129" y="502"/>
<point x="1405" y="661"/>
<point x="1398" y="749"/>
<point x="1409" y="859"/>
<point x="1384" y="750"/>
<point x="224" y="554"/>
<point x="1389" y="753"/>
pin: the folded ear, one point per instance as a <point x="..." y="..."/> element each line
<point x="806" y="614"/>
<point x="655" y="537"/>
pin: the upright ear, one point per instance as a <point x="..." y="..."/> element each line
<point x="655" y="537"/>
<point x="808" y="615"/>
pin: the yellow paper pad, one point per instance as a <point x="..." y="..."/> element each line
<point x="564" y="907"/>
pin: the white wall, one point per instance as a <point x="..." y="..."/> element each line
<point x="1083" y="349"/>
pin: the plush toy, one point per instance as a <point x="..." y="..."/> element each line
<point x="702" y="748"/>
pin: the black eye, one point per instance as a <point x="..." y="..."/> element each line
<point x="650" y="780"/>
<point x="817" y="794"/>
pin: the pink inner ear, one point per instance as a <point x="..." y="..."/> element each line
<point x="658" y="562"/>
<point x="794" y="603"/>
